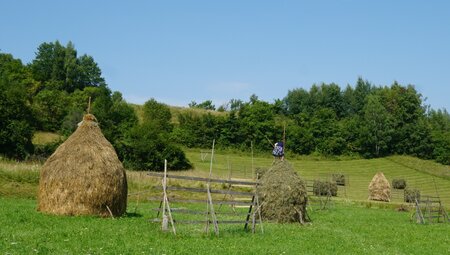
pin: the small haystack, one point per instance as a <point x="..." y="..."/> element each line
<point x="379" y="188"/>
<point x="83" y="176"/>
<point x="283" y="194"/>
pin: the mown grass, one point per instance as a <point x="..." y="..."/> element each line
<point x="429" y="177"/>
<point x="41" y="137"/>
<point x="344" y="229"/>
<point x="175" y="111"/>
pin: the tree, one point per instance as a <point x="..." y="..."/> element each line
<point x="16" y="121"/>
<point x="146" y="145"/>
<point x="376" y="132"/>
<point x="58" y="67"/>
<point x="158" y="115"/>
<point x="50" y="108"/>
<point x="296" y="101"/>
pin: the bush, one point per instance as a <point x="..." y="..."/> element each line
<point x="339" y="179"/>
<point x="145" y="149"/>
<point x="411" y="195"/>
<point x="324" y="188"/>
<point x="398" y="184"/>
<point x="43" y="151"/>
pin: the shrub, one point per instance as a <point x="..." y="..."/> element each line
<point x="398" y="184"/>
<point x="324" y="188"/>
<point x="411" y="195"/>
<point x="43" y="151"/>
<point x="339" y="179"/>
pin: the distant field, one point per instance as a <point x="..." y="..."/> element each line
<point x="175" y="110"/>
<point x="41" y="137"/>
<point x="420" y="174"/>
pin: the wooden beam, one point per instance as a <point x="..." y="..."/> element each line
<point x="228" y="202"/>
<point x="192" y="178"/>
<point x="200" y="190"/>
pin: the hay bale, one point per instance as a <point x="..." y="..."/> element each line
<point x="339" y="179"/>
<point x="325" y="188"/>
<point x="83" y="176"/>
<point x="399" y="184"/>
<point x="283" y="194"/>
<point x="411" y="195"/>
<point x="260" y="171"/>
<point x="379" y="188"/>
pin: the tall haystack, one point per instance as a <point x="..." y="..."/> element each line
<point x="83" y="176"/>
<point x="379" y="188"/>
<point x="283" y="194"/>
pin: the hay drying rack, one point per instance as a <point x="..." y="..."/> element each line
<point x="429" y="209"/>
<point x="233" y="198"/>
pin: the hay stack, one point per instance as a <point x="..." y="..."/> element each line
<point x="379" y="188"/>
<point x="83" y="176"/>
<point x="283" y="194"/>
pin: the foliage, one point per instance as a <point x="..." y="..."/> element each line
<point x="43" y="151"/>
<point x="16" y="121"/>
<point x="58" y="67"/>
<point x="145" y="146"/>
<point x="207" y="105"/>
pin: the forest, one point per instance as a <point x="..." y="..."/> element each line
<point x="362" y="120"/>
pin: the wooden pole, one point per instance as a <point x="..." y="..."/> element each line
<point x="165" y="222"/>
<point x="89" y="106"/>
<point x="284" y="138"/>
<point x="208" y="202"/>
<point x="253" y="168"/>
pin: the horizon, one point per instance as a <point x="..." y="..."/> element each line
<point x="177" y="52"/>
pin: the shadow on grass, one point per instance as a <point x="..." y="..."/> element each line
<point x="132" y="215"/>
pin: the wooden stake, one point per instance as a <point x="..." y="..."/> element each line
<point x="89" y="106"/>
<point x="284" y="138"/>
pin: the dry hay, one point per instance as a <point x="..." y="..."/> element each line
<point x="325" y="188"/>
<point x="339" y="179"/>
<point x="379" y="188"/>
<point x="411" y="195"/>
<point x="399" y="184"/>
<point x="283" y="194"/>
<point x="83" y="176"/>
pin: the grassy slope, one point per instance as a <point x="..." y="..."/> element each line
<point x="41" y="137"/>
<point x="345" y="229"/>
<point x="175" y="110"/>
<point x="420" y="174"/>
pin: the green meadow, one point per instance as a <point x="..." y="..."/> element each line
<point x="351" y="225"/>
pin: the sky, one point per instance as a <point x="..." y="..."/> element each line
<point x="182" y="51"/>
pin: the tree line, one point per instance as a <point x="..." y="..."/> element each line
<point x="51" y="93"/>
<point x="364" y="120"/>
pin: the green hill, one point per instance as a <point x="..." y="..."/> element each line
<point x="427" y="176"/>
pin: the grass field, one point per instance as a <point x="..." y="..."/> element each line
<point x="352" y="226"/>
<point x="345" y="229"/>
<point x="427" y="176"/>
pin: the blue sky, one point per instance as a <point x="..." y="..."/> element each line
<point x="179" y="51"/>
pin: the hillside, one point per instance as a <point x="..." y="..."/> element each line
<point x="427" y="176"/>
<point x="176" y="110"/>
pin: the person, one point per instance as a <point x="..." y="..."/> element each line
<point x="278" y="150"/>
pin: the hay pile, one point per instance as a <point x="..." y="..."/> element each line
<point x="283" y="194"/>
<point x="379" y="188"/>
<point x="325" y="188"/>
<point x="83" y="176"/>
